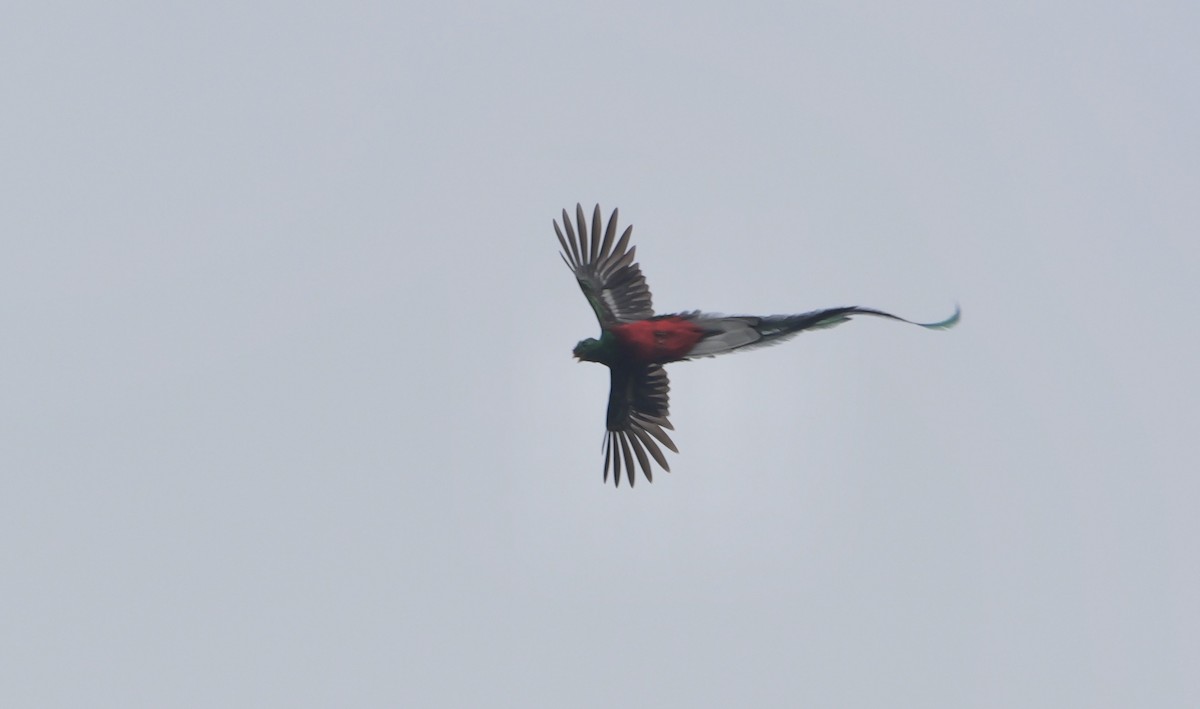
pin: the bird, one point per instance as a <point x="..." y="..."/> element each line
<point x="635" y="344"/>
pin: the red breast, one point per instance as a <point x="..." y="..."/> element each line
<point x="660" y="340"/>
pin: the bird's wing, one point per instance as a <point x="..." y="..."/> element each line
<point x="607" y="273"/>
<point x="637" y="417"/>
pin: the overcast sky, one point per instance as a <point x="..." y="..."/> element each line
<point x="289" y="416"/>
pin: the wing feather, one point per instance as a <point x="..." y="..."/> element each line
<point x="630" y="471"/>
<point x="608" y="454"/>
<point x="597" y="224"/>
<point x="649" y="444"/>
<point x="638" y="407"/>
<point x="608" y="275"/>
<point x="570" y="236"/>
<point x="640" y="450"/>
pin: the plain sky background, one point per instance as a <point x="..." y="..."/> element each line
<point x="289" y="416"/>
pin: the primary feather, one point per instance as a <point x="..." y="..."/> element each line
<point x="607" y="274"/>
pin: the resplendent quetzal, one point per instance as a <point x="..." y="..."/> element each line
<point x="635" y="343"/>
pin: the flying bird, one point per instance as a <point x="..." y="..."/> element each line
<point x="635" y="343"/>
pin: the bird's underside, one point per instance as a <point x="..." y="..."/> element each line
<point x="635" y="344"/>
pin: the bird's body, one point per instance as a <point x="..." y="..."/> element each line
<point x="635" y="343"/>
<point x="657" y="340"/>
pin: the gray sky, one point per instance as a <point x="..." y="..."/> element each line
<point x="290" y="417"/>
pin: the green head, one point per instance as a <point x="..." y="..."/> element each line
<point x="590" y="350"/>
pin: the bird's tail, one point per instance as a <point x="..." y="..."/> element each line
<point x="738" y="332"/>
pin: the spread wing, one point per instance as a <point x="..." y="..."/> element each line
<point x="607" y="274"/>
<point x="637" y="415"/>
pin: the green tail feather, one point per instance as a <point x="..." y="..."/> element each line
<point x="944" y="324"/>
<point x="731" y="333"/>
